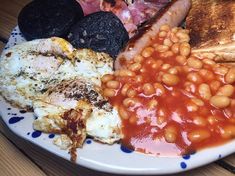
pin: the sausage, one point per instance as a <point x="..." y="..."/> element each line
<point x="173" y="14"/>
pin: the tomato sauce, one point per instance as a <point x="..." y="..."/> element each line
<point x="177" y="118"/>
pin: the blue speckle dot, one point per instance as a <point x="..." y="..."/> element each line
<point x="13" y="120"/>
<point x="51" y="136"/>
<point x="220" y="156"/>
<point x="88" y="141"/>
<point x="183" y="165"/>
<point x="28" y="133"/>
<point x="8" y="109"/>
<point x="126" y="150"/>
<point x="186" y="157"/>
<point x="36" y="134"/>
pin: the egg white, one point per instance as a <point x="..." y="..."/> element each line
<point x="30" y="70"/>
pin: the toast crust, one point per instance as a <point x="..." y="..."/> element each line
<point x="211" y="22"/>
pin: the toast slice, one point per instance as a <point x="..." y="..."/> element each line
<point x="212" y="29"/>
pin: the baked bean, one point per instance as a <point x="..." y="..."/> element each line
<point x="215" y="85"/>
<point x="230" y="76"/>
<point x="204" y="111"/>
<point x="194" y="77"/>
<point x="162" y="34"/>
<point x="147" y="52"/>
<point x="228" y="131"/>
<point x="165" y="28"/>
<point x="179" y="68"/>
<point x="186" y="69"/>
<point x="139" y="79"/>
<point x="166" y="54"/>
<point x="107" y="78"/>
<point x="190" y="87"/>
<point x="184" y="49"/>
<point x="197" y="101"/>
<point x="200" y="121"/>
<point x="226" y="90"/>
<point x="191" y="107"/>
<point x="127" y="102"/>
<point x="150" y="61"/>
<point x="135" y="67"/>
<point x="208" y="62"/>
<point x="123" y="113"/>
<point x="170" y="134"/>
<point x="159" y="76"/>
<point x="159" y="89"/>
<point x="220" y="70"/>
<point x="162" y="48"/>
<point x="181" y="59"/>
<point x="125" y="72"/>
<point x="184" y="37"/>
<point x="142" y="70"/>
<point x="157" y="64"/>
<point x="198" y="135"/>
<point x="166" y="66"/>
<point x="194" y="63"/>
<point x="148" y="89"/>
<point x="125" y="89"/>
<point x="212" y="119"/>
<point x="131" y="93"/>
<point x="109" y="92"/>
<point x="173" y="71"/>
<point x="167" y="42"/>
<point x="138" y="58"/>
<point x="175" y="48"/>
<point x="206" y="74"/>
<point x="233" y="102"/>
<point x="173" y="38"/>
<point x="204" y="91"/>
<point x="203" y="72"/>
<point x="174" y="29"/>
<point x="220" y="101"/>
<point x="113" y="84"/>
<point x="152" y="104"/>
<point x="170" y="79"/>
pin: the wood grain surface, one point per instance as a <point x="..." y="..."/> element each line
<point x="21" y="158"/>
<point x="1" y="46"/>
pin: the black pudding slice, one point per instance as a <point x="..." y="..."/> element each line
<point x="48" y="18"/>
<point x="100" y="31"/>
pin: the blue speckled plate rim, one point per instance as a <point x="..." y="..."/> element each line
<point x="166" y="166"/>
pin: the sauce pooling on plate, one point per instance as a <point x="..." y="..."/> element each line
<point x="171" y="102"/>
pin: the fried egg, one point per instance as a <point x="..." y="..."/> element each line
<point x="99" y="117"/>
<point x="28" y="69"/>
<point x="63" y="87"/>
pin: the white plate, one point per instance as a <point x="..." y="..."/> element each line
<point x="106" y="158"/>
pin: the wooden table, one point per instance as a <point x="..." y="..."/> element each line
<point x="21" y="158"/>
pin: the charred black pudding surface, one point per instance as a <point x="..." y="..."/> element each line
<point x="100" y="31"/>
<point x="48" y="18"/>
